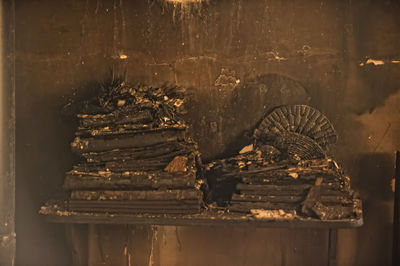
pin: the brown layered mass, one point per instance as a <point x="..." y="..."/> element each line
<point x="285" y="174"/>
<point x="136" y="157"/>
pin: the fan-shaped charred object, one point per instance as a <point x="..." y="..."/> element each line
<point x="298" y="147"/>
<point x="301" y="119"/>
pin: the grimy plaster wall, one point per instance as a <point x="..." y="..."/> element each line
<point x="241" y="57"/>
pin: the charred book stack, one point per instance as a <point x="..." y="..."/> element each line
<point x="285" y="173"/>
<point x="136" y="157"/>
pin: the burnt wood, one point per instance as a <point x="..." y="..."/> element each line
<point x="60" y="214"/>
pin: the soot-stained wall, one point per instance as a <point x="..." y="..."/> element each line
<point x="240" y="58"/>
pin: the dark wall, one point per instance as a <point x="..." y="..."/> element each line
<point x="241" y="58"/>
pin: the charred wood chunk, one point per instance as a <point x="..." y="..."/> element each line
<point x="334" y="212"/>
<point x="313" y="196"/>
<point x="178" y="164"/>
<point x="313" y="205"/>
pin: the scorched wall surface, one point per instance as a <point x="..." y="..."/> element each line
<point x="241" y="58"/>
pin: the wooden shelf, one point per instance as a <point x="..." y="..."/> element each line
<point x="205" y="218"/>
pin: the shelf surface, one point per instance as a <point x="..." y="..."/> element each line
<point x="57" y="214"/>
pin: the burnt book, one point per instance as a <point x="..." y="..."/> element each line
<point x="322" y="199"/>
<point x="135" y="155"/>
<point x="134" y="210"/>
<point x="292" y="189"/>
<point x="170" y="195"/>
<point x="343" y="199"/>
<point x="129" y="180"/>
<point x="137" y="201"/>
<point x="132" y="140"/>
<point x="117" y="117"/>
<point x="160" y="150"/>
<point x="133" y="207"/>
<point x="256" y="180"/>
<point x="121" y="162"/>
<point x="112" y="131"/>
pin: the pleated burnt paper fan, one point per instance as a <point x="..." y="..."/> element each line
<point x="300" y="119"/>
<point x="298" y="147"/>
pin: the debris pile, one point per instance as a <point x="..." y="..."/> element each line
<point x="136" y="157"/>
<point x="285" y="172"/>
